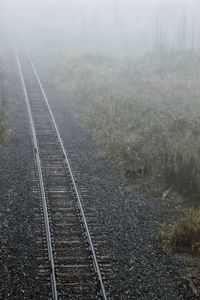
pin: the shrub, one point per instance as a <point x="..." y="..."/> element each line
<point x="183" y="236"/>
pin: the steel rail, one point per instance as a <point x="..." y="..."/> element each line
<point x="66" y="160"/>
<point x="42" y="189"/>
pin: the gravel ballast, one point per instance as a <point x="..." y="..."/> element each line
<point x="17" y="240"/>
<point x="128" y="219"/>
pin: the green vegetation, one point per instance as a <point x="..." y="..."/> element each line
<point x="177" y="199"/>
<point x="144" y="114"/>
<point x="183" y="236"/>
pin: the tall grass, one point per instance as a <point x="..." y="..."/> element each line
<point x="184" y="235"/>
<point x="145" y="115"/>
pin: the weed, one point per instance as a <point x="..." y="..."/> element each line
<point x="183" y="236"/>
<point x="177" y="198"/>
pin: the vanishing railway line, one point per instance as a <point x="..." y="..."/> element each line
<point x="68" y="263"/>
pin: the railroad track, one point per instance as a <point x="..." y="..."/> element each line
<point x="68" y="262"/>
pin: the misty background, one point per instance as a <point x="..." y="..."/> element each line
<point x="128" y="72"/>
<point x="120" y="27"/>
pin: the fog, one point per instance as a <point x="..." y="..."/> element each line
<point x="120" y="27"/>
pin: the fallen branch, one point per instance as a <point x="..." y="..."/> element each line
<point x="165" y="194"/>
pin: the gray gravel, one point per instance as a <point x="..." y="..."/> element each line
<point x="17" y="243"/>
<point x="128" y="220"/>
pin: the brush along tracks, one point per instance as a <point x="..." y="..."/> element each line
<point x="69" y="264"/>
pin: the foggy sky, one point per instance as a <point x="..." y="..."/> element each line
<point x="117" y="23"/>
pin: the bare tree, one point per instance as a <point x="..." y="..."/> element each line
<point x="183" y="32"/>
<point x="193" y="33"/>
<point x="160" y="36"/>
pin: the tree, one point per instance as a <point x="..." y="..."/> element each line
<point x="183" y="32"/>
<point x="193" y="33"/>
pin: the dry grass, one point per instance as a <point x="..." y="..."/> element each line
<point x="148" y="123"/>
<point x="183" y="236"/>
<point x="145" y="115"/>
